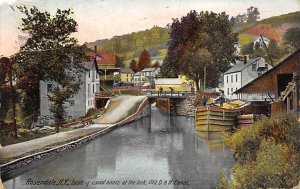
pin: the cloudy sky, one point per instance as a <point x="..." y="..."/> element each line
<point x="99" y="19"/>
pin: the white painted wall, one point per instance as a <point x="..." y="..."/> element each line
<point x="232" y="82"/>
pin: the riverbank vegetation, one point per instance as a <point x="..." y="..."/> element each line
<point x="267" y="155"/>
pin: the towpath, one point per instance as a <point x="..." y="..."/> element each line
<point x="119" y="109"/>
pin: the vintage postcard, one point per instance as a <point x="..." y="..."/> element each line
<point x="194" y="94"/>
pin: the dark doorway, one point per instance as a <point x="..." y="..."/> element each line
<point x="282" y="82"/>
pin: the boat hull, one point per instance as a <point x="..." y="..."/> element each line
<point x="215" y="119"/>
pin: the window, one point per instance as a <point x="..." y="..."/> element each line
<point x="89" y="73"/>
<point x="227" y="78"/>
<point x="231" y="89"/>
<point x="236" y="77"/>
<point x="93" y="88"/>
<point x="253" y="67"/>
<point x="227" y="91"/>
<point x="231" y="78"/>
<point x="266" y="66"/>
<point x="96" y="74"/>
<point x="89" y="90"/>
<point x="127" y="75"/>
<point x="72" y="102"/>
<point x="235" y="89"/>
<point x="49" y="88"/>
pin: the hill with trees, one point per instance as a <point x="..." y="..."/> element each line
<point x="131" y="45"/>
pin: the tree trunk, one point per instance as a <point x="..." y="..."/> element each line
<point x="197" y="84"/>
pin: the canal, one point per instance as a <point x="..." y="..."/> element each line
<point x="154" y="152"/>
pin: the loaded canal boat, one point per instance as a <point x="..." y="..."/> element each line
<point x="211" y="118"/>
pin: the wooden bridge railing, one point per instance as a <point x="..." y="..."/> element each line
<point x="169" y="93"/>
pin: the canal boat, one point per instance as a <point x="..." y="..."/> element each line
<point x="214" y="118"/>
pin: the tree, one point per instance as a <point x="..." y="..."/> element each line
<point x="156" y="65"/>
<point x="206" y="33"/>
<point x="3" y="70"/>
<point x="134" y="66"/>
<point x="248" y="49"/>
<point x="48" y="55"/>
<point x="292" y="37"/>
<point x="252" y="14"/>
<point x="168" y="69"/>
<point x="196" y="63"/>
<point x="241" y="18"/>
<point x="144" y="60"/>
<point x="275" y="51"/>
<point x="119" y="62"/>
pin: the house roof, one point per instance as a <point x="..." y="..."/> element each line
<point x="149" y="70"/>
<point x="106" y="58"/>
<point x="168" y="81"/>
<point x="267" y="73"/>
<point x="126" y="70"/>
<point x="137" y="74"/>
<point x="88" y="65"/>
<point x="240" y="65"/>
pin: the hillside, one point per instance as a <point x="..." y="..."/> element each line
<point x="131" y="45"/>
<point x="272" y="28"/>
<point x="155" y="40"/>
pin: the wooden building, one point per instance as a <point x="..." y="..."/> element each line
<point x="274" y="82"/>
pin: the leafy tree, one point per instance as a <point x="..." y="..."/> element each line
<point x="252" y="14"/>
<point x="144" y="60"/>
<point x="274" y="50"/>
<point x="292" y="37"/>
<point x="194" y="33"/>
<point x="168" y="69"/>
<point x="232" y="20"/>
<point x="196" y="63"/>
<point x="241" y="18"/>
<point x="3" y="69"/>
<point x="248" y="49"/>
<point x="119" y="62"/>
<point x="156" y="65"/>
<point x="48" y="55"/>
<point x="134" y="66"/>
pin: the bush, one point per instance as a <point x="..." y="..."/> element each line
<point x="267" y="155"/>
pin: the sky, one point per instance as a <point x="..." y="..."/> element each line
<point x="101" y="19"/>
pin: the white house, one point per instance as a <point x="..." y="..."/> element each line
<point x="147" y="75"/>
<point x="261" y="41"/>
<point x="242" y="73"/>
<point x="82" y="101"/>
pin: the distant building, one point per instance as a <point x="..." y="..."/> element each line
<point x="82" y="101"/>
<point x="126" y="75"/>
<point x="242" y="73"/>
<point x="261" y="41"/>
<point x="106" y="63"/>
<point x="147" y="75"/>
<point x="175" y="84"/>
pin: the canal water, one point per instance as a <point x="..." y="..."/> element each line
<point x="154" y="152"/>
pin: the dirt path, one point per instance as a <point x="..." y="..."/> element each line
<point x="123" y="105"/>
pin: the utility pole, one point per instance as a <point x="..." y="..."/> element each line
<point x="204" y="82"/>
<point x="268" y="52"/>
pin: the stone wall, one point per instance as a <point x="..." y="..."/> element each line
<point x="185" y="107"/>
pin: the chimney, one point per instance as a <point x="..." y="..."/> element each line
<point x="95" y="48"/>
<point x="245" y="59"/>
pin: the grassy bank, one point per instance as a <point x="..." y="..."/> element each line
<point x="267" y="155"/>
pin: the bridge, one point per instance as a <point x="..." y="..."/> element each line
<point x="169" y="94"/>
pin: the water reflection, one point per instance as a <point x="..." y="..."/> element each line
<point x="159" y="147"/>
